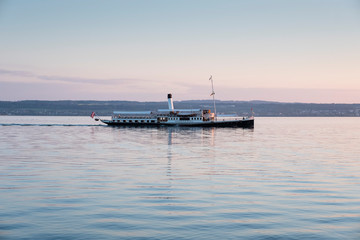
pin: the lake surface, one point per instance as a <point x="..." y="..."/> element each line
<point x="71" y="178"/>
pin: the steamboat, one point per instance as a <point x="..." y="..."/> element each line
<point x="177" y="117"/>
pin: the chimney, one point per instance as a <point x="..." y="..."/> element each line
<point x="170" y="102"/>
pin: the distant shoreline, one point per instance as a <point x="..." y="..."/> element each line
<point x="105" y="108"/>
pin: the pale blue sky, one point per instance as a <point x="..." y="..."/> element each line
<point x="288" y="51"/>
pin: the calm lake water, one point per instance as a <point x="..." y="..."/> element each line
<point x="71" y="178"/>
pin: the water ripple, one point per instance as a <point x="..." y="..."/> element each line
<point x="289" y="178"/>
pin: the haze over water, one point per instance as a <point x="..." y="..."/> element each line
<point x="288" y="178"/>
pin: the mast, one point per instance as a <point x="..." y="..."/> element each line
<point x="213" y="93"/>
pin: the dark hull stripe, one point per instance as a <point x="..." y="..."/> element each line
<point x="241" y="124"/>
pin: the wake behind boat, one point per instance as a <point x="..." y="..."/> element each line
<point x="177" y="117"/>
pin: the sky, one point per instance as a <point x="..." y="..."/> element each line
<point x="141" y="50"/>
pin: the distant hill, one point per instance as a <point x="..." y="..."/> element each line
<point x="105" y="108"/>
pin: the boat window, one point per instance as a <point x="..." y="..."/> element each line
<point x="152" y="121"/>
<point x="130" y="120"/>
<point x="184" y="118"/>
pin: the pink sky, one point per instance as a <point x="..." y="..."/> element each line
<point x="288" y="51"/>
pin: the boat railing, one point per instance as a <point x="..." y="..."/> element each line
<point x="133" y="117"/>
<point x="225" y="118"/>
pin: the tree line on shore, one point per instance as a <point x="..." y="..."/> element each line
<point x="105" y="108"/>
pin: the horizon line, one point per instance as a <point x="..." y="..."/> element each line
<point x="194" y="100"/>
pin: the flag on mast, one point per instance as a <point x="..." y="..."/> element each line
<point x="92" y="115"/>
